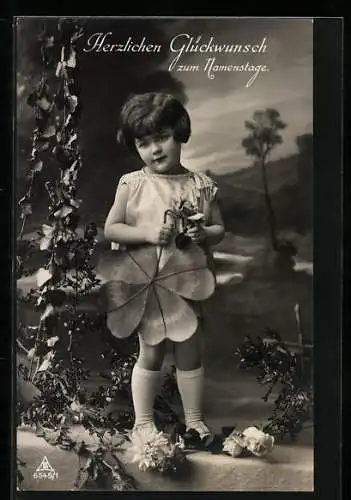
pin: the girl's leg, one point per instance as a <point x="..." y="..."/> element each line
<point x="146" y="378"/>
<point x="190" y="379"/>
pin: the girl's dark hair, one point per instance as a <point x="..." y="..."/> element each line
<point x="149" y="113"/>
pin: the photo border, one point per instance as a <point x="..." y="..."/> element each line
<point x="327" y="132"/>
<point x="7" y="251"/>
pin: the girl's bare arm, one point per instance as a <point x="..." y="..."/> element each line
<point x="118" y="231"/>
<point x="215" y="230"/>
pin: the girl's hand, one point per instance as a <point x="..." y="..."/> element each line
<point x="159" y="235"/>
<point x="197" y="234"/>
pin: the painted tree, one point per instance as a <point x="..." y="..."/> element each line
<point x="264" y="134"/>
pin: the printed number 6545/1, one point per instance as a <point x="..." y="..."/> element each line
<point x="45" y="475"/>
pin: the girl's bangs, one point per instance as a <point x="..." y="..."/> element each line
<point x="152" y="123"/>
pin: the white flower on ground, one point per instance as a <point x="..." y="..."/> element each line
<point x="231" y="447"/>
<point x="154" y="452"/>
<point x="258" y="442"/>
<point x="252" y="439"/>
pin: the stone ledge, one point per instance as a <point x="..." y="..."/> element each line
<point x="289" y="468"/>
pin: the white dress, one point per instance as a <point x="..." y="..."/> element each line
<point x="150" y="195"/>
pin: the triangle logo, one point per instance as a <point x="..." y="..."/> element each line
<point x="45" y="466"/>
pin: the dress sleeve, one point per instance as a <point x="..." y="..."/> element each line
<point x="212" y="190"/>
<point x="207" y="188"/>
<point x="124" y="180"/>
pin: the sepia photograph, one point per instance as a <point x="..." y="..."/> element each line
<point x="164" y="254"/>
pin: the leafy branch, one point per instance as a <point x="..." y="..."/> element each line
<point x="278" y="367"/>
<point x="67" y="275"/>
<point x="94" y="459"/>
<point x="48" y="352"/>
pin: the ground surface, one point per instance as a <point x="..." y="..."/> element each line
<point x="288" y="468"/>
<point x="251" y="296"/>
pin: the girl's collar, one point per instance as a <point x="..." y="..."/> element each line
<point x="167" y="176"/>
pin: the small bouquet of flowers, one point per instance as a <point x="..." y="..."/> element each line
<point x="158" y="453"/>
<point x="251" y="440"/>
<point x="187" y="215"/>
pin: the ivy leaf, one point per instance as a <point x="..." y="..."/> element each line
<point x="52" y="341"/>
<point x="49" y="132"/>
<point x="78" y="34"/>
<point x="72" y="102"/>
<point x="61" y="155"/>
<point x="88" y="464"/>
<point x="74" y="166"/>
<point x="72" y="139"/>
<point x="45" y="365"/>
<point x="95" y="470"/>
<point x="44" y="146"/>
<point x="48" y="312"/>
<point x="63" y="419"/>
<point x="37" y="166"/>
<point x="34" y="155"/>
<point x="117" y="482"/>
<point x="71" y="256"/>
<point x="32" y="329"/>
<point x="71" y="63"/>
<point x="71" y="174"/>
<point x="40" y="300"/>
<point x="75" y="406"/>
<point x="90" y="231"/>
<point x="48" y="232"/>
<point x="44" y="104"/>
<point x="43" y="275"/>
<point x="63" y="212"/>
<point x="69" y="177"/>
<point x="59" y="69"/>
<point x="51" y="436"/>
<point x="32" y="99"/>
<point x="75" y="203"/>
<point x="51" y="191"/>
<point x="67" y="122"/>
<point x="26" y="210"/>
<point x="31" y="353"/>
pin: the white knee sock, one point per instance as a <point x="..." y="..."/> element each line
<point x="145" y="386"/>
<point x="190" y="385"/>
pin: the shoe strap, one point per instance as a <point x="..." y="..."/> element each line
<point x="201" y="428"/>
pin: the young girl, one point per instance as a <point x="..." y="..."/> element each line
<point x="154" y="125"/>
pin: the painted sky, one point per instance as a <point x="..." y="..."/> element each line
<point x="219" y="107"/>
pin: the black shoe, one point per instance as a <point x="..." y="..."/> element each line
<point x="198" y="437"/>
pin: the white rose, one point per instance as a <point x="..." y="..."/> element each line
<point x="232" y="448"/>
<point x="258" y="442"/>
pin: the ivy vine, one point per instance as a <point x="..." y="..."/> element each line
<point x="67" y="275"/>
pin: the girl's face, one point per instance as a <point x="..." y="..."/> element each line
<point x="160" y="152"/>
